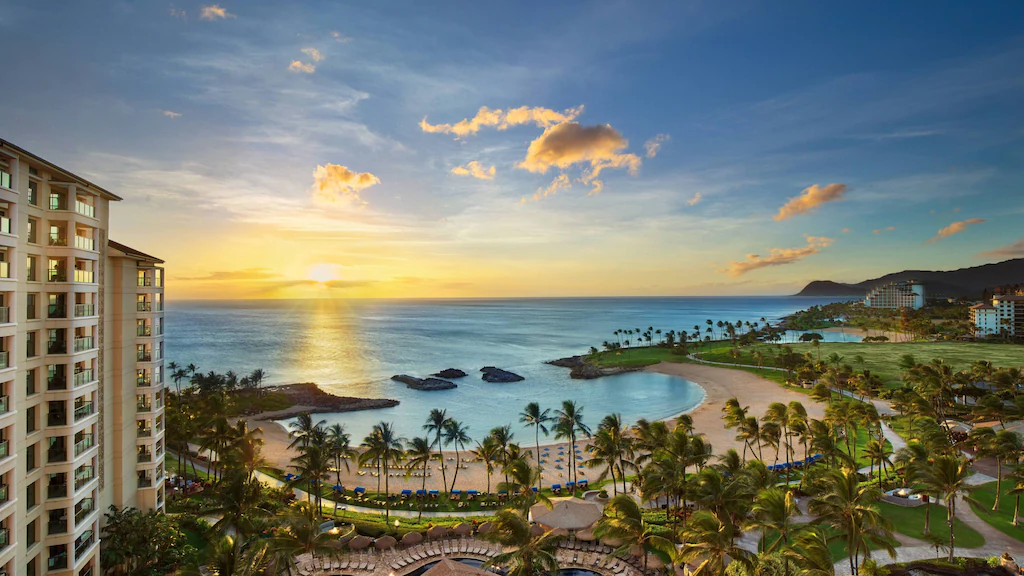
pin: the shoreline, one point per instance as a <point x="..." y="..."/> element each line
<point x="718" y="384"/>
<point x="308" y="397"/>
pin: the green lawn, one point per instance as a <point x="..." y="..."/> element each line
<point x="1002" y="519"/>
<point x="910" y="522"/>
<point x="883" y="358"/>
<point x="171" y="467"/>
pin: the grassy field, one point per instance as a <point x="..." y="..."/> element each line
<point x="910" y="522"/>
<point x="171" y="467"/>
<point x="883" y="358"/>
<point x="1001" y="520"/>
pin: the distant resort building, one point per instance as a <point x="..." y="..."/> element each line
<point x="1003" y="315"/>
<point x="896" y="295"/>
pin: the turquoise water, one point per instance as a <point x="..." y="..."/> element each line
<point x="354" y="347"/>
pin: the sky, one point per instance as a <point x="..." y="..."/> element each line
<point x="505" y="149"/>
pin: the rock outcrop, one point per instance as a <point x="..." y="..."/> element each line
<point x="492" y="374"/>
<point x="580" y="369"/>
<point x="428" y="384"/>
<point x="450" y="373"/>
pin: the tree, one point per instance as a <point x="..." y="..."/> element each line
<point x="233" y="556"/>
<point x="947" y="476"/>
<point x="339" y="444"/>
<point x="773" y="511"/>
<point x="435" y="424"/>
<point x="489" y="452"/>
<point x="570" y="423"/>
<point x="538" y="419"/>
<point x="300" y="534"/>
<point x="457" y="435"/>
<point x="303" y="430"/>
<point x="708" y="540"/>
<point x="142" y="544"/>
<point x="386" y="446"/>
<point x="312" y="466"/>
<point x="623" y="520"/>
<point x="1016" y="478"/>
<point x="849" y="511"/>
<point x="529" y="555"/>
<point x="877" y="451"/>
<point x="419" y="451"/>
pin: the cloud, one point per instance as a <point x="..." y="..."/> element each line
<point x="560" y="182"/>
<point x="231" y="275"/>
<point x="569" y="143"/>
<point x="653" y="145"/>
<point x="777" y="257"/>
<point x="214" y="12"/>
<point x="474" y="169"/>
<point x="332" y="183"/>
<point x="170" y="114"/>
<point x="955" y="228"/>
<point x="845" y="230"/>
<point x="810" y="199"/>
<point x="889" y="229"/>
<point x="297" y="66"/>
<point x="313" y="53"/>
<point x="695" y="199"/>
<point x="175" y="13"/>
<point x="339" y="37"/>
<point x="503" y="120"/>
<point x="1015" y="250"/>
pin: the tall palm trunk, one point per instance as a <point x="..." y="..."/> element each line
<point x="440" y="456"/>
<point x="536" y="440"/>
<point x="951" y="507"/>
<point x="457" y="463"/>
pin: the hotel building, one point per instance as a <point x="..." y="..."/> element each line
<point x="1002" y="316"/>
<point x="896" y="295"/>
<point x="81" y="370"/>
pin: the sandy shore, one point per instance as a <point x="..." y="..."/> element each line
<point x="720" y="384"/>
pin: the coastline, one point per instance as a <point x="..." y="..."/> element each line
<point x="308" y="397"/>
<point x="718" y="384"/>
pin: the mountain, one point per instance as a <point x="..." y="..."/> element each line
<point x="964" y="282"/>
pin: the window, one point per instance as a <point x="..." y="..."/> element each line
<point x="30" y="306"/>
<point x="31" y="276"/>
<point x="30" y="344"/>
<point x="31" y="495"/>
<point x="30" y="420"/>
<point x="5" y="177"/>
<point x="33" y="193"/>
<point x="30" y="457"/>
<point x="30" y="382"/>
<point x="33" y="231"/>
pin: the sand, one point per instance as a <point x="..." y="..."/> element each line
<point x="720" y="384"/>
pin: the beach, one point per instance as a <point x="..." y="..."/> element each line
<point x="719" y="385"/>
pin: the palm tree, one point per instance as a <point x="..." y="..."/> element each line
<point x="773" y="511"/>
<point x="339" y="444"/>
<point x="457" y="435"/>
<point x="533" y="416"/>
<point x="232" y="556"/>
<point x="522" y="479"/>
<point x="877" y="451"/>
<point x="488" y="451"/>
<point x="709" y="540"/>
<point x="435" y="423"/>
<point x="303" y="430"/>
<point x="570" y="423"/>
<point x="604" y="453"/>
<point x="503" y="438"/>
<point x="256" y="377"/>
<point x="947" y="476"/>
<point x="1016" y="478"/>
<point x="529" y="555"/>
<point x="312" y="466"/>
<point x="849" y="510"/>
<point x="301" y="534"/>
<point x="623" y="520"/>
<point x="809" y="553"/>
<point x="385" y="445"/>
<point x="419" y="451"/>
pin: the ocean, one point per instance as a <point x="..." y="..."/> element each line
<point x="353" y="347"/>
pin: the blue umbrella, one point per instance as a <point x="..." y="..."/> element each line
<point x="535" y="489"/>
<point x="289" y="477"/>
<point x="583" y="482"/>
<point x="359" y="490"/>
<point x="570" y="484"/>
<point x="406" y="492"/>
<point x="339" y="487"/>
<point x="432" y="492"/>
<point x="421" y="492"/>
<point x="556" y="486"/>
<point x="456" y="491"/>
<point x="472" y="492"/>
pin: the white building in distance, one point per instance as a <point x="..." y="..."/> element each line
<point x="896" y="295"/>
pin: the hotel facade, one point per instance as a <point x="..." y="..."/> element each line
<point x="81" y="370"/>
<point x="896" y="295"/>
<point x="1002" y="316"/>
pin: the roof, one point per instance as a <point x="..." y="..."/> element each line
<point x="1008" y="297"/>
<point x="983" y="306"/>
<point x="570" y="514"/>
<point x="66" y="174"/>
<point x="132" y="252"/>
<point x="446" y="567"/>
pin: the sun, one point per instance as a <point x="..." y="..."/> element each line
<point x="322" y="273"/>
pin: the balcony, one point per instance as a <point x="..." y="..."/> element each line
<point x="83" y="445"/>
<point x="83" y="411"/>
<point x="58" y="240"/>
<point x="144" y="457"/>
<point x="144" y="432"/>
<point x="145" y="281"/>
<point x="83" y="377"/>
<point x="5" y="269"/>
<point x="5" y="537"/>
<point x="144" y="356"/>
<point x="83" y="543"/>
<point x="83" y="476"/>
<point x="58" y="562"/>
<point x="5" y="314"/>
<point x="84" y="243"/>
<point x="56" y="382"/>
<point x="85" y="507"/>
<point x="56" y="275"/>
<point x="84" y="276"/>
<point x="5" y="491"/>
<point x="57" y="527"/>
<point x="57" y="418"/>
<point x="5" y="448"/>
<point x="5" y="225"/>
<point x="56" y="311"/>
<point x="85" y="209"/>
<point x="56" y="347"/>
<point x="83" y="310"/>
<point x="145" y="482"/>
<point x="56" y="454"/>
<point x="144" y="407"/>
<point x="83" y="343"/>
<point x="57" y="491"/>
<point x="144" y="380"/>
<point x="144" y="307"/>
<point x="143" y="331"/>
<point x="4" y="355"/>
<point x="4" y="403"/>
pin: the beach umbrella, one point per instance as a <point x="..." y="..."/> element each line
<point x="412" y="538"/>
<point x="585" y="535"/>
<point x="359" y="542"/>
<point x="472" y="492"/>
<point x="447" y="567"/>
<point x="556" y="486"/>
<point x="432" y="492"/>
<point x="385" y="543"/>
<point x="437" y="532"/>
<point x="535" y="490"/>
<point x="339" y="487"/>
<point x="537" y="530"/>
<point x="406" y="492"/>
<point x="613" y="542"/>
<point x="421" y="492"/>
<point x="571" y="514"/>
<point x="485" y="528"/>
<point x="456" y="492"/>
<point x="463" y="529"/>
<point x="360" y="490"/>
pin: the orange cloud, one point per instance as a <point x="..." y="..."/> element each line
<point x="777" y="257"/>
<point x="569" y="143"/>
<point x="845" y="230"/>
<point x="503" y="120"/>
<point x="214" y="12"/>
<point x="333" y="183"/>
<point x="955" y="228"/>
<point x="313" y="53"/>
<point x="171" y="114"/>
<point x="695" y="199"/>
<point x="476" y="170"/>
<point x="810" y="199"/>
<point x="889" y="229"/>
<point x="560" y="182"/>
<point x="1014" y="250"/>
<point x="297" y="66"/>
<point x="653" y="146"/>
